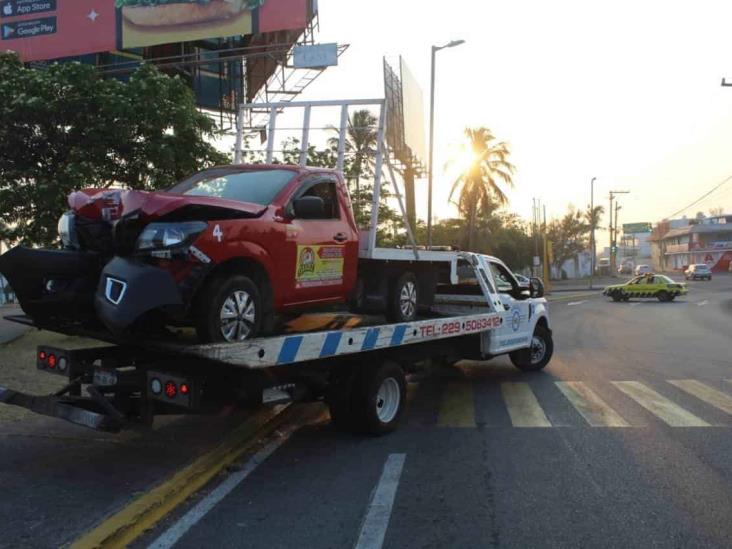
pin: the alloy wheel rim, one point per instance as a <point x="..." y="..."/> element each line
<point x="387" y="400"/>
<point x="237" y="317"/>
<point x="408" y="299"/>
<point x="538" y="349"/>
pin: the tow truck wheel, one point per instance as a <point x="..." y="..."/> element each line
<point x="538" y="355"/>
<point x="229" y="309"/>
<point x="378" y="398"/>
<point x="404" y="298"/>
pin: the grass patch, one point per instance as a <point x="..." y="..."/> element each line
<point x="18" y="368"/>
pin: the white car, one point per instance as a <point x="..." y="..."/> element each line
<point x="642" y="269"/>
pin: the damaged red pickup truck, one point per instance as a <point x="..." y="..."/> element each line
<point x="226" y="250"/>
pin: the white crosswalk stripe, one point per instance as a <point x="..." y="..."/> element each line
<point x="457" y="407"/>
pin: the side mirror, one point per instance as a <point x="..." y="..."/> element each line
<point x="309" y="207"/>
<point x="537" y="287"/>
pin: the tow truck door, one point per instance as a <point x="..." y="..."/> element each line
<point x="514" y="308"/>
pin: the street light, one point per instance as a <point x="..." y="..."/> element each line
<point x="435" y="49"/>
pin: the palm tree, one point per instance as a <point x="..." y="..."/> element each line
<point x="592" y="220"/>
<point x="361" y="144"/>
<point x="479" y="187"/>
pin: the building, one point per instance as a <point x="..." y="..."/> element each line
<point x="677" y="244"/>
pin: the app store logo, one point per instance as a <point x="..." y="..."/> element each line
<point x="7" y="9"/>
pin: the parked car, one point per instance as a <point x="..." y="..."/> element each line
<point x="698" y="271"/>
<point x="642" y="269"/>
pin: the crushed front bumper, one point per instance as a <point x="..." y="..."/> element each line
<point x="130" y="289"/>
<point x="52" y="285"/>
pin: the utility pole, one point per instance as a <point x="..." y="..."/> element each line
<point x="592" y="230"/>
<point x="614" y="232"/>
<point x="547" y="268"/>
<point x="618" y="207"/>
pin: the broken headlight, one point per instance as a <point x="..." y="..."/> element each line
<point x="67" y="231"/>
<point x="158" y="236"/>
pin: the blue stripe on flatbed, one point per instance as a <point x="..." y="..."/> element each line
<point x="330" y="345"/>
<point x="369" y="341"/>
<point x="289" y="349"/>
<point x="398" y="336"/>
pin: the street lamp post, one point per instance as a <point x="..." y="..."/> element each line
<point x="435" y="49"/>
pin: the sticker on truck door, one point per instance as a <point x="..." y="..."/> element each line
<point x="319" y="266"/>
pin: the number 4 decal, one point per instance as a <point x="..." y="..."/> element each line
<point x="218" y="233"/>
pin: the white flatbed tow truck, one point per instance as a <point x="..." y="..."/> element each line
<point x="360" y="372"/>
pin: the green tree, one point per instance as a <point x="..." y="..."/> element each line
<point x="361" y="146"/>
<point x="568" y="237"/>
<point x="65" y="128"/>
<point x="479" y="185"/>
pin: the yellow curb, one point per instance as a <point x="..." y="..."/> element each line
<point x="143" y="513"/>
<point x="551" y="298"/>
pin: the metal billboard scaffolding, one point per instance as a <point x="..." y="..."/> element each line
<point x="405" y="133"/>
<point x="304" y="139"/>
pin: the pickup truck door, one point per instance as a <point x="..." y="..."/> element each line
<point x="514" y="308"/>
<point x="321" y="254"/>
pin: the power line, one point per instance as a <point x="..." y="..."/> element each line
<point x="702" y="197"/>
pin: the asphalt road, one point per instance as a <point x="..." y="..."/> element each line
<point x="623" y="440"/>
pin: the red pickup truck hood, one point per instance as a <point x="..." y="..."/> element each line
<point x="111" y="204"/>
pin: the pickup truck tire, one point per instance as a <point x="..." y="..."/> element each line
<point x="228" y="309"/>
<point x="403" y="298"/>
<point x="538" y="355"/>
<point x="378" y="398"/>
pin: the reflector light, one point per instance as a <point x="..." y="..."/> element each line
<point x="62" y="364"/>
<point x="42" y="355"/>
<point x="170" y="389"/>
<point x="156" y="386"/>
<point x="51" y="361"/>
<point x="184" y="389"/>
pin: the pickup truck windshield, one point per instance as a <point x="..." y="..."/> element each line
<point x="257" y="187"/>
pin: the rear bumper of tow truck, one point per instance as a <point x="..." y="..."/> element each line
<point x="78" y="410"/>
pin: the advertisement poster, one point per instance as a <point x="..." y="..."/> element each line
<point x="318" y="266"/>
<point x="51" y="29"/>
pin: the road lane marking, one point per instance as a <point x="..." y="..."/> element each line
<point x="659" y="406"/>
<point x="590" y="406"/>
<point x="125" y="526"/>
<point x="716" y="398"/>
<point x="173" y="534"/>
<point x="457" y="408"/>
<point x="523" y="408"/>
<point x="377" y="517"/>
<point x="702" y="303"/>
<point x="573" y="303"/>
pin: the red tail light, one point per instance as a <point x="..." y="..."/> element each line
<point x="42" y="356"/>
<point x="184" y="389"/>
<point x="170" y="389"/>
<point x="52" y="361"/>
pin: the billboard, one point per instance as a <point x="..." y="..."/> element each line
<point x="51" y="29"/>
<point x="413" y="105"/>
<point x="636" y="228"/>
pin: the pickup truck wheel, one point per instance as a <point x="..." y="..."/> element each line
<point x="229" y="309"/>
<point x="538" y="355"/>
<point x="404" y="298"/>
<point x="378" y="398"/>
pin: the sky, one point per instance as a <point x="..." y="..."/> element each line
<point x="627" y="92"/>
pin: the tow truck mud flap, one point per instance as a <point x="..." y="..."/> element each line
<point x="129" y="289"/>
<point x="52" y="283"/>
<point x="69" y="409"/>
